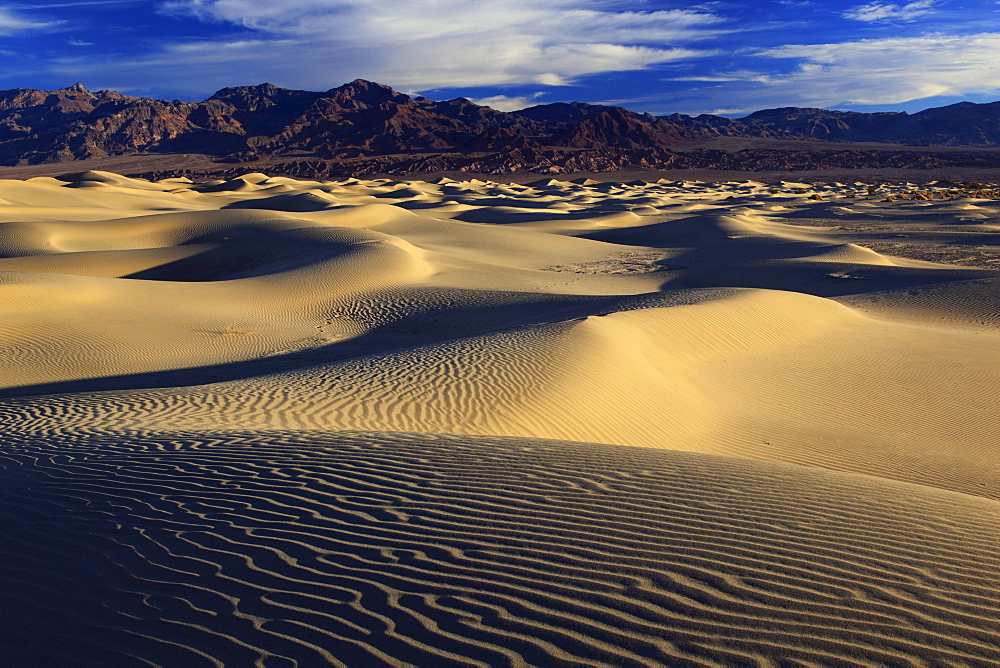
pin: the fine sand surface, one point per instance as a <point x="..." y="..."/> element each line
<point x="276" y="422"/>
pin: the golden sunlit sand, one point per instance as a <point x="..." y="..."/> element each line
<point x="471" y="423"/>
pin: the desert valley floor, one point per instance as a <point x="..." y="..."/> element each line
<point x="276" y="422"/>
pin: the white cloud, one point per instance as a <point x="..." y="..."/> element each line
<point x="386" y="20"/>
<point x="878" y="12"/>
<point x="890" y="71"/>
<point x="507" y="103"/>
<point x="741" y="75"/>
<point x="425" y="44"/>
<point x="78" y="3"/>
<point x="11" y="23"/>
<point x="877" y="72"/>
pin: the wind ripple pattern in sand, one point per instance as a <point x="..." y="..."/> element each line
<point x="362" y="548"/>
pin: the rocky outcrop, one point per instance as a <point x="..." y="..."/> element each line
<point x="567" y="113"/>
<point x="498" y="139"/>
<point x="619" y="128"/>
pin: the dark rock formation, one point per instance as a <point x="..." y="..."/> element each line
<point x="619" y="128"/>
<point x="365" y="128"/>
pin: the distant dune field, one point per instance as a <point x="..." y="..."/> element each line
<point x="276" y="422"/>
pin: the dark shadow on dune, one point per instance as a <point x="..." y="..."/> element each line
<point x="712" y="257"/>
<point x="676" y="233"/>
<point x="797" y="273"/>
<point x="418" y="204"/>
<point x="258" y="254"/>
<point x="399" y="193"/>
<point x="903" y="235"/>
<point x="293" y="202"/>
<point x="822" y="279"/>
<point x="516" y="203"/>
<point x="544" y="213"/>
<point x="511" y="217"/>
<point x="441" y="320"/>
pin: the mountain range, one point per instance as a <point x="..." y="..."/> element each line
<point x="365" y="127"/>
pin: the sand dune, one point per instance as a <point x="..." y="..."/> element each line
<point x="204" y="386"/>
<point x="190" y="548"/>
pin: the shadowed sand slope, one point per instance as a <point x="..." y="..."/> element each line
<point x="204" y="389"/>
<point x="387" y="549"/>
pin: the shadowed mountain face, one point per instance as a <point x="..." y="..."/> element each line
<point x="962" y="124"/>
<point x="620" y="128"/>
<point x="394" y="132"/>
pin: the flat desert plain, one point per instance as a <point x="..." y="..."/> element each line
<point x="275" y="422"/>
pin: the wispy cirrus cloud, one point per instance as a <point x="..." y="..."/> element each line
<point x="727" y="77"/>
<point x="12" y="21"/>
<point x="878" y="72"/>
<point x="73" y="3"/>
<point x="422" y="45"/>
<point x="363" y="20"/>
<point x="885" y="71"/>
<point x="878" y="12"/>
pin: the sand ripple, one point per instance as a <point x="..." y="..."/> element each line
<point x="387" y="549"/>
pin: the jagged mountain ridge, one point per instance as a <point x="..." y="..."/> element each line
<point x="363" y="119"/>
<point x="245" y="122"/>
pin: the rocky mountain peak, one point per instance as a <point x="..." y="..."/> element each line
<point x="262" y="89"/>
<point x="362" y="93"/>
<point x="566" y="112"/>
<point x="621" y="128"/>
<point x="76" y="89"/>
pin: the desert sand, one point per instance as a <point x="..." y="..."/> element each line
<point x="276" y="422"/>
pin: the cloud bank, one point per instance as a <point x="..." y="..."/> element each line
<point x="890" y="71"/>
<point x="427" y="44"/>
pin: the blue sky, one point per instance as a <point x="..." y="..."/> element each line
<point x="656" y="56"/>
